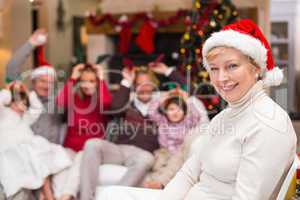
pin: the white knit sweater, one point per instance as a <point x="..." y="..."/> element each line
<point x="242" y="156"/>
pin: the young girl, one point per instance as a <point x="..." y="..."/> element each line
<point x="26" y="160"/>
<point x="175" y="115"/>
<point x="84" y="98"/>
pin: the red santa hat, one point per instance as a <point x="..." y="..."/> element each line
<point x="246" y="36"/>
<point x="44" y="68"/>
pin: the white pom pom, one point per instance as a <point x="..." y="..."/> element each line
<point x="273" y="77"/>
<point x="41" y="39"/>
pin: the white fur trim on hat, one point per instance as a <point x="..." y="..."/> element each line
<point x="246" y="44"/>
<point x="273" y="77"/>
<point x="43" y="70"/>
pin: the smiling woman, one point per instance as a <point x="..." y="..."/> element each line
<point x="231" y="72"/>
<point x="240" y="65"/>
<point x="232" y="156"/>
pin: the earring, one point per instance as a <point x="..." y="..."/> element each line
<point x="256" y="76"/>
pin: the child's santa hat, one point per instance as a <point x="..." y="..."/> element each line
<point x="44" y="68"/>
<point x="245" y="36"/>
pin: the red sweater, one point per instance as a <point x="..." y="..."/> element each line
<point x="85" y="119"/>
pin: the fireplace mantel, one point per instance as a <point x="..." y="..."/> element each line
<point x="108" y="29"/>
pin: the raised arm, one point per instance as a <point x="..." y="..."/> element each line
<point x="13" y="67"/>
<point x="154" y="113"/>
<point x="196" y="112"/>
<point x="173" y="74"/>
<point x="104" y="98"/>
<point x="65" y="95"/>
<point x="121" y="98"/>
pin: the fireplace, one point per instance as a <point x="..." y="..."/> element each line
<point x="165" y="43"/>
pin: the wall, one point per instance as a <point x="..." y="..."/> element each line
<point x="60" y="43"/>
<point x="286" y="10"/>
<point x="59" y="49"/>
<point x="297" y="38"/>
<point x="15" y="20"/>
<point x="290" y="8"/>
<point x="119" y="6"/>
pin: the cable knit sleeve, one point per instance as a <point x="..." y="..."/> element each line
<point x="35" y="109"/>
<point x="266" y="154"/>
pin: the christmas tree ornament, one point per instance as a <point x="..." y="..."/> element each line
<point x="206" y="19"/>
<point x="187" y="36"/>
<point x="182" y="51"/>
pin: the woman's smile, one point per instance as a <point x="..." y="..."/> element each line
<point x="229" y="87"/>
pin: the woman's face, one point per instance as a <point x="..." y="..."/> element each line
<point x="88" y="83"/>
<point x="231" y="73"/>
<point x="174" y="113"/>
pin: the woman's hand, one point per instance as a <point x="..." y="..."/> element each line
<point x="159" y="68"/>
<point x="100" y="71"/>
<point x="128" y="75"/>
<point x="183" y="94"/>
<point x="17" y="86"/>
<point x="10" y="85"/>
<point x="178" y="92"/>
<point x="77" y="71"/>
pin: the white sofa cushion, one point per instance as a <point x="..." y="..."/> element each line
<point x="110" y="174"/>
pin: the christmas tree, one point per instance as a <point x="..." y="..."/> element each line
<point x="206" y="17"/>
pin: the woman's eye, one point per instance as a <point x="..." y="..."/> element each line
<point x="213" y="68"/>
<point x="232" y="66"/>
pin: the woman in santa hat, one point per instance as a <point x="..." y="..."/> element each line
<point x="248" y="147"/>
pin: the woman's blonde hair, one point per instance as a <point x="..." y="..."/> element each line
<point x="145" y="70"/>
<point x="214" y="52"/>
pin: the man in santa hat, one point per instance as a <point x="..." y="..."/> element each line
<point x="43" y="80"/>
<point x="50" y="123"/>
